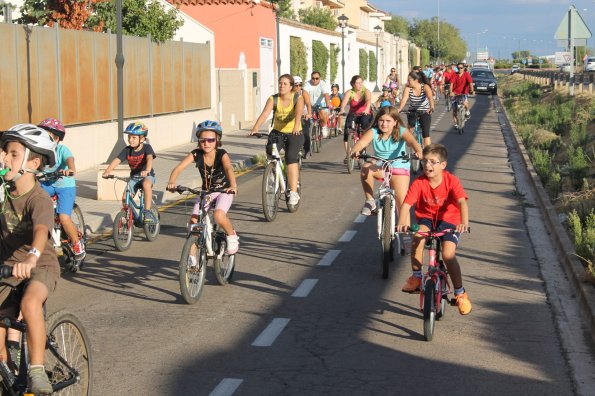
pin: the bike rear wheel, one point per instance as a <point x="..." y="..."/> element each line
<point x="224" y="264"/>
<point x="316" y="133"/>
<point x="350" y="159"/>
<point x="193" y="267"/>
<point x="68" y="360"/>
<point x="79" y="221"/>
<point x="429" y="310"/>
<point x="122" y="230"/>
<point x="270" y="196"/>
<point x="461" y="118"/>
<point x="152" y="229"/>
<point x="386" y="237"/>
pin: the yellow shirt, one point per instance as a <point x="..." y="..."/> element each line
<point x="284" y="117"/>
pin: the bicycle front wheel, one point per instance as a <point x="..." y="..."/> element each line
<point x="193" y="267"/>
<point x="316" y="133"/>
<point x="68" y="360"/>
<point x="429" y="310"/>
<point x="350" y="159"/>
<point x="270" y="195"/>
<point x="386" y="237"/>
<point x="416" y="162"/>
<point x="122" y="230"/>
<point x="152" y="229"/>
<point x="224" y="263"/>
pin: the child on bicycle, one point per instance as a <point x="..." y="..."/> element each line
<point x="26" y="218"/>
<point x="140" y="156"/>
<point x="440" y="203"/>
<point x="385" y="99"/>
<point x="216" y="172"/>
<point x="389" y="138"/>
<point x="65" y="187"/>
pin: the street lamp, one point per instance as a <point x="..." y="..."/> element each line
<point x="377" y="30"/>
<point x="477" y="43"/>
<point x="343" y="23"/>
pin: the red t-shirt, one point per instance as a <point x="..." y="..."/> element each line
<point x="448" y="75"/>
<point x="460" y="84"/>
<point x="438" y="203"/>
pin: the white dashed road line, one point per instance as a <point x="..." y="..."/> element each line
<point x="328" y="258"/>
<point x="305" y="288"/>
<point x="347" y="236"/>
<point x="270" y="334"/>
<point x="226" y="387"/>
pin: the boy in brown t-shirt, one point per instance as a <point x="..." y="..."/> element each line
<point x="26" y="219"/>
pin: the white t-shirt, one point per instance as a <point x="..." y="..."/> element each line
<point x="317" y="93"/>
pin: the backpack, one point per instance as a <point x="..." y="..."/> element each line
<point x="276" y="99"/>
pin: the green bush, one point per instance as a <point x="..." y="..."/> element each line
<point x="578" y="133"/>
<point x="297" y="57"/>
<point x="319" y="58"/>
<point x="578" y="165"/>
<point x="363" y="64"/>
<point x="542" y="162"/>
<point x="584" y="234"/>
<point x="318" y="16"/>
<point x="553" y="185"/>
<point x="334" y="62"/>
<point x="373" y="66"/>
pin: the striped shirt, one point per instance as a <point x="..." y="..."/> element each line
<point x="420" y="102"/>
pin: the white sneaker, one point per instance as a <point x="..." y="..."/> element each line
<point x="456" y="126"/>
<point x="369" y="207"/>
<point x="294" y="198"/>
<point x="325" y="132"/>
<point x="233" y="244"/>
<point x="467" y="114"/>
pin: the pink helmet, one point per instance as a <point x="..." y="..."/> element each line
<point x="54" y="126"/>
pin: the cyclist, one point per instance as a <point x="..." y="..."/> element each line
<point x="140" y="155"/>
<point x="319" y="95"/>
<point x="393" y="78"/>
<point x="286" y="129"/>
<point x="306" y="115"/>
<point x="385" y="99"/>
<point x="440" y="203"/>
<point x="461" y="85"/>
<point x="215" y="169"/>
<point x="421" y="99"/>
<point x="336" y="98"/>
<point x="65" y="187"/>
<point x="26" y="220"/>
<point x="438" y="80"/>
<point x="448" y="75"/>
<point x="388" y="137"/>
<point x="359" y="100"/>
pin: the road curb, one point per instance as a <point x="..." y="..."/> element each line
<point x="564" y="247"/>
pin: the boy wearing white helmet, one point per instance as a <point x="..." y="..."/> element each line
<point x="26" y="218"/>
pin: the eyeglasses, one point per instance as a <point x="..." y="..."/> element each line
<point x="432" y="162"/>
<point x="207" y="140"/>
<point x="315" y="78"/>
<point x="298" y="85"/>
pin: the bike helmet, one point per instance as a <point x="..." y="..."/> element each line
<point x="137" y="129"/>
<point x="34" y="139"/>
<point x="297" y="80"/>
<point x="386" y="88"/>
<point x="209" y="126"/>
<point x="53" y="126"/>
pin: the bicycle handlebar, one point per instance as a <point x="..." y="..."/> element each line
<point x="414" y="229"/>
<point x="199" y="191"/>
<point x="403" y="156"/>
<point x="126" y="179"/>
<point x="260" y="134"/>
<point x="55" y="175"/>
<point x="5" y="271"/>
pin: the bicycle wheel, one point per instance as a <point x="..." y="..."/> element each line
<point x="429" y="310"/>
<point x="270" y="196"/>
<point x="386" y="237"/>
<point x="122" y="230"/>
<point x="443" y="298"/>
<point x="224" y="264"/>
<point x="193" y="267"/>
<point x="294" y="208"/>
<point x="350" y="159"/>
<point x="152" y="229"/>
<point x="416" y="163"/>
<point x="448" y="104"/>
<point x="316" y="138"/>
<point x="68" y="359"/>
<point x="461" y="118"/>
<point x="79" y="221"/>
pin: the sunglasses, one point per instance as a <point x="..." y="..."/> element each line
<point x="315" y="78"/>
<point x="298" y="85"/>
<point x="393" y="70"/>
<point x="207" y="140"/>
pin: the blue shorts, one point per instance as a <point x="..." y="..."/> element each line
<point x="136" y="183"/>
<point x="441" y="226"/>
<point x="66" y="197"/>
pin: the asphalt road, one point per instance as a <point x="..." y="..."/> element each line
<point x="352" y="333"/>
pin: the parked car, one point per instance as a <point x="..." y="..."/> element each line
<point x="484" y="81"/>
<point x="515" y="68"/>
<point x="590" y="64"/>
<point x="565" y="68"/>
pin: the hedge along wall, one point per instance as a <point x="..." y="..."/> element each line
<point x="320" y="57"/>
<point x="363" y="64"/>
<point x="297" y="58"/>
<point x="373" y="66"/>
<point x="334" y="62"/>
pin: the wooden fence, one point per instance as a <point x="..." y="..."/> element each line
<point x="71" y="75"/>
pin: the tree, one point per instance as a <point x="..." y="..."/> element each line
<point x="334" y="61"/>
<point x="321" y="17"/>
<point x="285" y="10"/>
<point x="297" y="57"/>
<point x="139" y="18"/>
<point x="363" y="64"/>
<point x="373" y="66"/>
<point x="320" y="56"/>
<point x="397" y="25"/>
<point x="424" y="32"/>
<point x="521" y="54"/>
<point x="69" y="14"/>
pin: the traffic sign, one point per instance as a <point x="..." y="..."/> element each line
<point x="579" y="27"/>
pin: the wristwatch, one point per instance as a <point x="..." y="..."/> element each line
<point x="35" y="252"/>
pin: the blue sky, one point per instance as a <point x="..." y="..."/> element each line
<point x="534" y="22"/>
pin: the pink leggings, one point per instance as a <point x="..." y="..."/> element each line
<point x="222" y="201"/>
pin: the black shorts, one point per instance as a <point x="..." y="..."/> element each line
<point x="287" y="141"/>
<point x="425" y="120"/>
<point x="364" y="120"/>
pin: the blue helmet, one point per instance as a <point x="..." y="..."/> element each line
<point x="209" y="126"/>
<point x="137" y="129"/>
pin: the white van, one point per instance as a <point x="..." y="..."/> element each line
<point x="481" y="65"/>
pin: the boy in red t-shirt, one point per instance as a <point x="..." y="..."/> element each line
<point x="440" y="203"/>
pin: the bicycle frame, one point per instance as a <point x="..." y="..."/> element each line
<point x="205" y="227"/>
<point x="136" y="209"/>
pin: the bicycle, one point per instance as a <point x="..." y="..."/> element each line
<point x="417" y="133"/>
<point x="447" y="97"/>
<point x="386" y="204"/>
<point x="459" y="109"/>
<point x="62" y="245"/>
<point x="355" y="132"/>
<point x="334" y="122"/>
<point x="316" y="135"/>
<point x="275" y="184"/>
<point x="68" y="360"/>
<point x="435" y="283"/>
<point x="203" y="242"/>
<point x="131" y="216"/>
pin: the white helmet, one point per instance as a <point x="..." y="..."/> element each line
<point x="33" y="138"/>
<point x="297" y="80"/>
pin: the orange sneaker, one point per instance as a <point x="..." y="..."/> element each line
<point x="463" y="303"/>
<point x="412" y="285"/>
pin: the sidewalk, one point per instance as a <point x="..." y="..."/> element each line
<point x="100" y="214"/>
